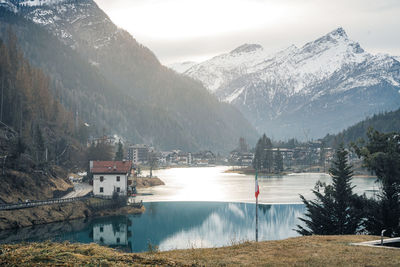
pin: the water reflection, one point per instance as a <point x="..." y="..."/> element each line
<point x="113" y="233"/>
<point x="233" y="223"/>
<point x="172" y="225"/>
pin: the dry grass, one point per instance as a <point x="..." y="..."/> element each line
<point x="301" y="251"/>
<point x="66" y="254"/>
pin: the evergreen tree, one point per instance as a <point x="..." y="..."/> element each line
<point x="278" y="161"/>
<point x="258" y="155"/>
<point x="119" y="155"/>
<point x="263" y="157"/>
<point x="322" y="155"/>
<point x="335" y="210"/>
<point x="268" y="156"/>
<point x="382" y="156"/>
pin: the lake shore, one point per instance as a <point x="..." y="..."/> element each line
<point x="251" y="171"/>
<point x="146" y="182"/>
<point x="299" y="251"/>
<point x="15" y="219"/>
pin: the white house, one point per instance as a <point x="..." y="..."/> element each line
<point x="110" y="177"/>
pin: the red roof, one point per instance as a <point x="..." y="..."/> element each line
<point x="110" y="166"/>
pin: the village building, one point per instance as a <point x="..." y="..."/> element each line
<point x="110" y="177"/>
<point x="138" y="154"/>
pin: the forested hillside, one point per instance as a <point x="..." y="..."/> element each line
<point x="36" y="132"/>
<point x="28" y="107"/>
<point x="385" y="122"/>
<point x="125" y="90"/>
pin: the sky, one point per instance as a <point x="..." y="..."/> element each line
<point x="196" y="30"/>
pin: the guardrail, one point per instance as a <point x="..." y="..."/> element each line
<point x="36" y="203"/>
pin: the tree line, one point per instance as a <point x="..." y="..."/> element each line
<point x="265" y="158"/>
<point x="337" y="210"/>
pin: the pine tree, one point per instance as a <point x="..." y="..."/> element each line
<point x="257" y="161"/>
<point x="278" y="161"/>
<point x="119" y="155"/>
<point x="335" y="211"/>
<point x="268" y="157"/>
<point x="382" y="156"/>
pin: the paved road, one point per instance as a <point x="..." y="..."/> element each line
<point x="80" y="190"/>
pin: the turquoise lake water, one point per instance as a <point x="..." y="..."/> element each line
<point x="172" y="225"/>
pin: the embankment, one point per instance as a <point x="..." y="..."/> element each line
<point x="58" y="213"/>
<point x="33" y="185"/>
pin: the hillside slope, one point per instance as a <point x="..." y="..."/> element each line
<point x="384" y="122"/>
<point x="117" y="85"/>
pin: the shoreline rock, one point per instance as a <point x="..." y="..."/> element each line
<point x="146" y="182"/>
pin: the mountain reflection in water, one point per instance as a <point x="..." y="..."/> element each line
<point x="172" y="225"/>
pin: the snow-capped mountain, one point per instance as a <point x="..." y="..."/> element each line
<point x="322" y="87"/>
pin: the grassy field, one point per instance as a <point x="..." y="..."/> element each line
<point x="300" y="251"/>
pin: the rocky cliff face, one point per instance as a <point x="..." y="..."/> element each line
<point x="324" y="86"/>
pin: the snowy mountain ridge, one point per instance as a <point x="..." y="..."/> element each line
<point x="181" y="67"/>
<point x="286" y="89"/>
<point x="29" y="3"/>
<point x="66" y="19"/>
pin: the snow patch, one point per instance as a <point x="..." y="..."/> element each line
<point x="234" y="95"/>
<point x="181" y="67"/>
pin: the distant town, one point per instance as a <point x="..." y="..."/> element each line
<point x="311" y="156"/>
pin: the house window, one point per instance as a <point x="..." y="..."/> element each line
<point x="118" y="240"/>
<point x="101" y="189"/>
<point x="118" y="178"/>
<point x="118" y="189"/>
<point x="101" y="229"/>
<point x="101" y="178"/>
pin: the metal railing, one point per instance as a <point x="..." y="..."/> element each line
<point x="36" y="203"/>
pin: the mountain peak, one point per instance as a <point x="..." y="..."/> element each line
<point x="246" y="48"/>
<point x="339" y="32"/>
<point x="334" y="36"/>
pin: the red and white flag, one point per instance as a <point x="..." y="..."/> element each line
<point x="257" y="187"/>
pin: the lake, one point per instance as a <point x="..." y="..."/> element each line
<point x="198" y="207"/>
<point x="214" y="184"/>
<point x="172" y="225"/>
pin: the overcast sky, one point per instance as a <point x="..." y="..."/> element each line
<point x="180" y="30"/>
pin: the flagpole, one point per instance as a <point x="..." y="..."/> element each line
<point x="256" y="219"/>
<point x="257" y="190"/>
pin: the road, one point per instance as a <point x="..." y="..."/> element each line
<point x="80" y="190"/>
